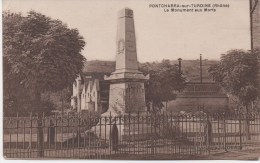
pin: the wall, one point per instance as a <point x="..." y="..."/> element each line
<point x="191" y="104"/>
<point x="75" y="99"/>
<point x="83" y="99"/>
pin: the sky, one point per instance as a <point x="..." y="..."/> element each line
<point x="159" y="35"/>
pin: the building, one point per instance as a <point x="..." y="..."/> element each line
<point x="90" y="90"/>
<point x="197" y="96"/>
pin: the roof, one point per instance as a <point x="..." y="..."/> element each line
<point x="97" y="66"/>
<point x="197" y="89"/>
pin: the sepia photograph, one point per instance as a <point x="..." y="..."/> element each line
<point x="131" y="80"/>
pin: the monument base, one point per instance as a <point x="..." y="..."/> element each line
<point x="129" y="128"/>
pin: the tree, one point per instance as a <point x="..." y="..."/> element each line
<point x="165" y="81"/>
<point x="60" y="99"/>
<point x="237" y="73"/>
<point x="40" y="54"/>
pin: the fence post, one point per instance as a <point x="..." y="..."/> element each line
<point x="110" y="133"/>
<point x="240" y="132"/>
<point x="31" y="127"/>
<point x="40" y="138"/>
<point x="208" y="130"/>
<point x="51" y="134"/>
<point x="153" y="134"/>
<point x="224" y="130"/>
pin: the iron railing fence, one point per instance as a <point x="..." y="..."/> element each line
<point x="128" y="136"/>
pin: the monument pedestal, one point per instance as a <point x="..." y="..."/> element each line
<point x="127" y="92"/>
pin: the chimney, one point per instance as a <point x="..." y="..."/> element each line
<point x="179" y="65"/>
<point x="201" y="68"/>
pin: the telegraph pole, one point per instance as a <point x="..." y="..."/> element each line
<point x="201" y="68"/>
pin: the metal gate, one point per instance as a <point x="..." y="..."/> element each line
<point x="130" y="136"/>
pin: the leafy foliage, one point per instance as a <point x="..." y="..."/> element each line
<point x="237" y="73"/>
<point x="60" y="99"/>
<point x="165" y="81"/>
<point x="40" y="54"/>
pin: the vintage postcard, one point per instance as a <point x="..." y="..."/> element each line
<point x="131" y="80"/>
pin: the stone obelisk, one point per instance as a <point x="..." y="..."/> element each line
<point x="126" y="93"/>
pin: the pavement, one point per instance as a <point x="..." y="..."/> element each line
<point x="252" y="154"/>
<point x="247" y="154"/>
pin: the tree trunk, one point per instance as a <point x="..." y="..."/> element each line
<point x="166" y="106"/>
<point x="40" y="133"/>
<point x="247" y="124"/>
<point x="151" y="106"/>
<point x="40" y="137"/>
<point x="62" y="101"/>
